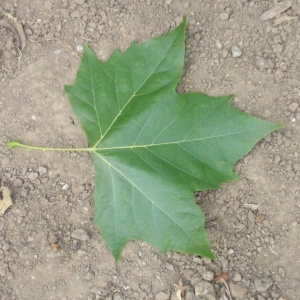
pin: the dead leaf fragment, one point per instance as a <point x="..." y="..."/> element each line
<point x="251" y="206"/>
<point x="276" y="10"/>
<point x="283" y="19"/>
<point x="5" y="199"/>
<point x="259" y="218"/>
<point x="180" y="289"/>
<point x="16" y="27"/>
<point x="222" y="277"/>
<point x="55" y="246"/>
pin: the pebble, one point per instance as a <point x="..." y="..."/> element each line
<point x="169" y="267"/>
<point x="237" y="291"/>
<point x="296" y="166"/>
<point x="80" y="2"/>
<point x="281" y="272"/>
<point x="79" y="48"/>
<point x="203" y="288"/>
<point x="162" y="296"/>
<point x="224" y="53"/>
<point x="224" y="16"/>
<point x="208" y="275"/>
<point x="277" y="159"/>
<point x="236" y="51"/>
<point x="193" y="67"/>
<point x="262" y="284"/>
<point x="80" y="234"/>
<point x="190" y="296"/>
<point x="3" y="270"/>
<point x="174" y="296"/>
<point x="18" y="182"/>
<point x="117" y="296"/>
<point x="237" y="277"/>
<point x="5" y="246"/>
<point x="42" y="170"/>
<point x="75" y="246"/>
<point x="33" y="176"/>
<point x="65" y="187"/>
<point x="293" y="106"/>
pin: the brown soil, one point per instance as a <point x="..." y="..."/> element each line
<point x="49" y="247"/>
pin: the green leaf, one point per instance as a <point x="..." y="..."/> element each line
<point x="153" y="147"/>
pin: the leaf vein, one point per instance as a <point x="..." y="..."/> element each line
<point x="134" y="94"/>
<point x="153" y="203"/>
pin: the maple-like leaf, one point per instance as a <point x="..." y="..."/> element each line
<point x="153" y="147"/>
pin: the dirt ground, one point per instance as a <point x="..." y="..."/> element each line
<point x="49" y="247"/>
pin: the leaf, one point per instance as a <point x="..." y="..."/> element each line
<point x="276" y="10"/>
<point x="5" y="199"/>
<point x="153" y="147"/>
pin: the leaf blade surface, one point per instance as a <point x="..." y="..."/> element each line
<point x="153" y="147"/>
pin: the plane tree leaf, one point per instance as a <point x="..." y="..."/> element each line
<point x="153" y="147"/>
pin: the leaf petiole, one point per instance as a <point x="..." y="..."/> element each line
<point x="15" y="144"/>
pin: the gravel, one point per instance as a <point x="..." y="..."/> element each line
<point x="226" y="52"/>
<point x="262" y="284"/>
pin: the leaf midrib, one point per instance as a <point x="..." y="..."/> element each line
<point x="95" y="148"/>
<point x="134" y="94"/>
<point x="152" y="202"/>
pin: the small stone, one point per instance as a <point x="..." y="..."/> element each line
<point x="208" y="275"/>
<point x="197" y="36"/>
<point x="80" y="234"/>
<point x="118" y="296"/>
<point x="174" y="296"/>
<point x="18" y="182"/>
<point x="169" y="267"/>
<point x="52" y="239"/>
<point x="190" y="296"/>
<point x="75" y="246"/>
<point x="79" y="48"/>
<point x="65" y="187"/>
<point x="80" y="2"/>
<point x="230" y="251"/>
<point x="193" y="67"/>
<point x="236" y="51"/>
<point x="281" y="272"/>
<point x="3" y="270"/>
<point x="224" y="16"/>
<point x="33" y="176"/>
<point x="277" y="159"/>
<point x="262" y="284"/>
<point x="5" y="246"/>
<point x="296" y="166"/>
<point x="224" y="53"/>
<point x="237" y="291"/>
<point x="237" y="277"/>
<point x="168" y="2"/>
<point x="42" y="170"/>
<point x="162" y="296"/>
<point x="293" y="106"/>
<point x="203" y="288"/>
<point x="223" y="261"/>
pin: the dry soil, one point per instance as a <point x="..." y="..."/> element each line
<point x="49" y="247"/>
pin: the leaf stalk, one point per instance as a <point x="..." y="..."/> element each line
<point x="15" y="144"/>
